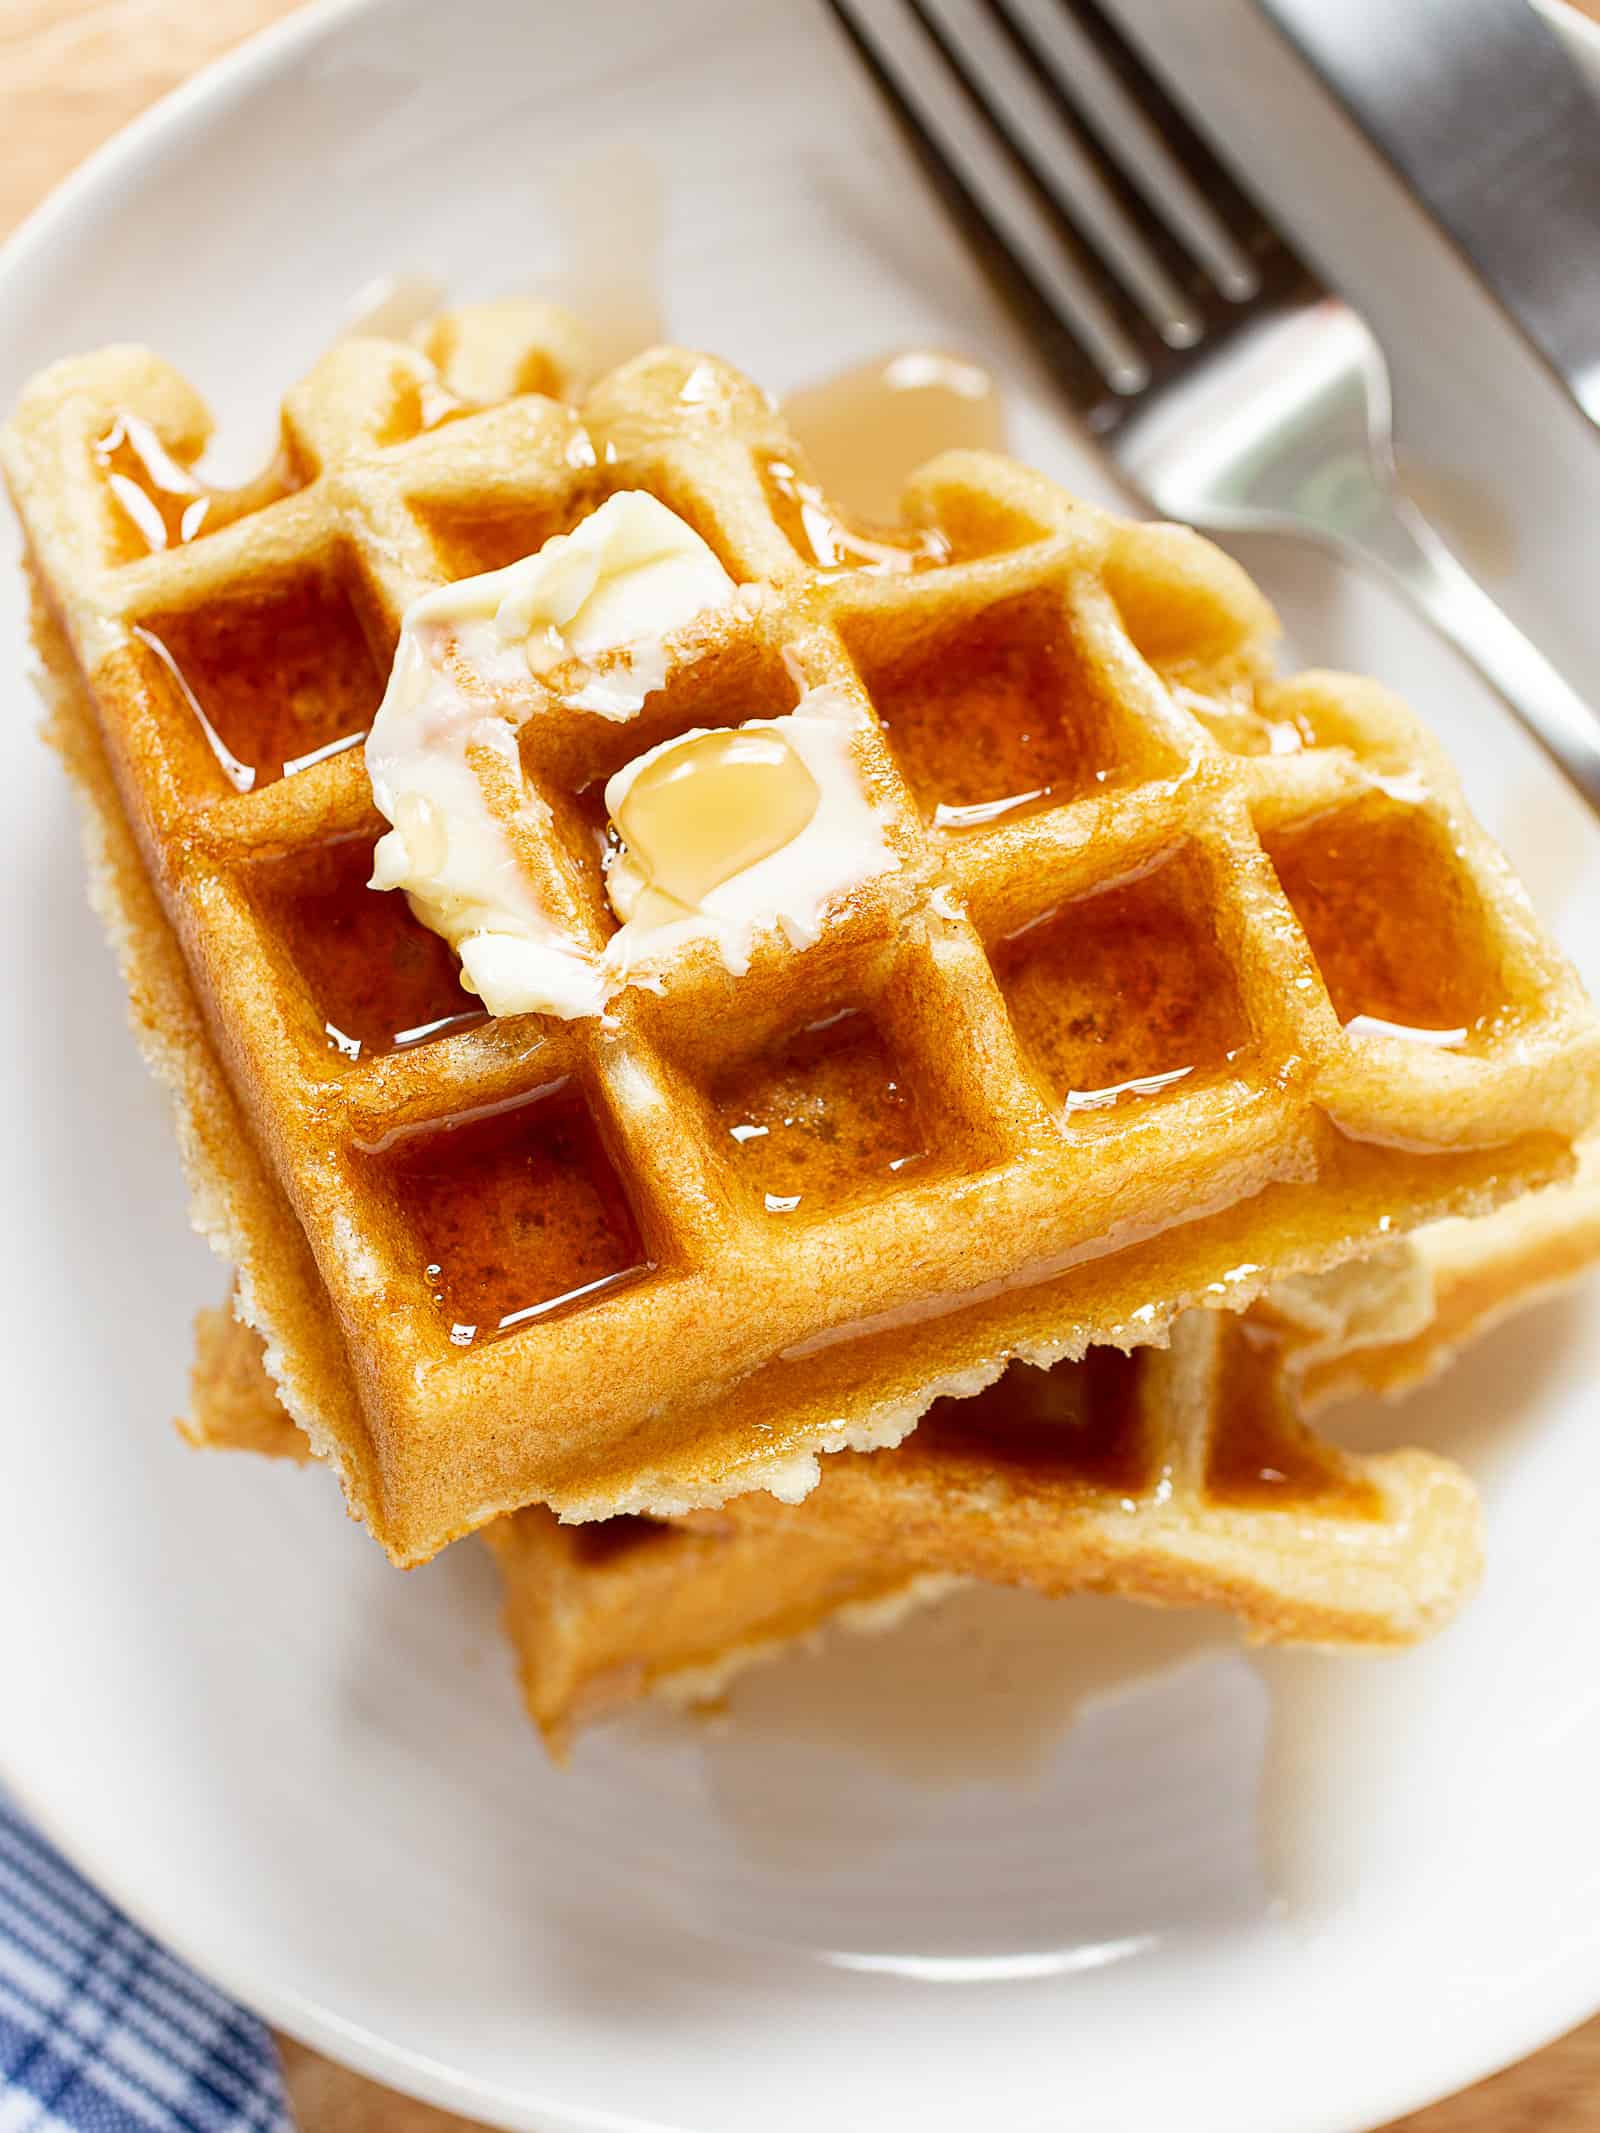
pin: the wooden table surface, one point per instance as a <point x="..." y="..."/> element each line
<point x="74" y="71"/>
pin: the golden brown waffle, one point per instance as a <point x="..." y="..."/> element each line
<point x="1384" y="1324"/>
<point x="1182" y="1477"/>
<point x="1102" y="1054"/>
<point x="1021" y="1485"/>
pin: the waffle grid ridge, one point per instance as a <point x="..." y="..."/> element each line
<point x="764" y="1319"/>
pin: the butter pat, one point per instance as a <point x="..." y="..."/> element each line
<point x="632" y="570"/>
<point x="445" y="771"/>
<point x="726" y="832"/>
<point x="587" y="615"/>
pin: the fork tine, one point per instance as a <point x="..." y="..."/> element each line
<point x="1180" y="261"/>
<point x="1145" y="306"/>
<point x="1277" y="266"/>
<point x="1098" y="397"/>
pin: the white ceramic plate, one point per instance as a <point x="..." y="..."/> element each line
<point x="1023" y="1865"/>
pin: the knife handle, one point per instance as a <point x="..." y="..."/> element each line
<point x="1401" y="544"/>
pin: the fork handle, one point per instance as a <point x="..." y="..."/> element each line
<point x="1404" y="547"/>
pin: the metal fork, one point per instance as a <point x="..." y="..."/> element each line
<point x="1233" y="389"/>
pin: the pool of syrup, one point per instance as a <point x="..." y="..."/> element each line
<point x="276" y="679"/>
<point x="379" y="981"/>
<point x="822" y="1121"/>
<point x="1077" y="1422"/>
<point x="516" y="1213"/>
<point x="819" y="537"/>
<point x="1261" y="1457"/>
<point x="1392" y="918"/>
<point x="994" y="717"/>
<point x="866" y="430"/>
<point x="1117" y="996"/>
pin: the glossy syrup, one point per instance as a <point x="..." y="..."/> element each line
<point x="163" y="504"/>
<point x="1393" y="920"/>
<point x="823" y="1121"/>
<point x="994" y="718"/>
<point x="516" y="1212"/>
<point x="866" y="430"/>
<point x="1077" y="1423"/>
<point x="1261" y="1456"/>
<point x="708" y="807"/>
<point x="378" y="980"/>
<point x="1232" y="719"/>
<point x="1118" y="996"/>
<point x="423" y="404"/>
<point x="822" y="539"/>
<point x="275" y="680"/>
<point x="161" y="500"/>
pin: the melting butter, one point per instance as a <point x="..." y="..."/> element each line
<point x="446" y="772"/>
<point x="629" y="574"/>
<point x="601" y="598"/>
<point x="442" y="754"/>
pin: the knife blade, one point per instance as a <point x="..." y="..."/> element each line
<point x="1482" y="110"/>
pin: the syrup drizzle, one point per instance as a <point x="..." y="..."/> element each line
<point x="707" y="808"/>
<point x="823" y="1118"/>
<point x="241" y="776"/>
<point x="164" y="504"/>
<point x="824" y="541"/>
<point x="866" y="430"/>
<point x="276" y="679"/>
<point x="516" y="1211"/>
<point x="161" y="499"/>
<point x="1233" y="720"/>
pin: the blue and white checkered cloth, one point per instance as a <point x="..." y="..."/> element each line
<point x="101" y="2031"/>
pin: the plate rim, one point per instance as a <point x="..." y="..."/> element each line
<point x="1462" y="2049"/>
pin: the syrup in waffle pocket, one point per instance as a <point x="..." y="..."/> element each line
<point x="1182" y="978"/>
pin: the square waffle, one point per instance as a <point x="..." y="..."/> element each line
<point x="1124" y="1031"/>
<point x="1180" y="1478"/>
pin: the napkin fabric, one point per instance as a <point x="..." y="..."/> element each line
<point x="101" y="2030"/>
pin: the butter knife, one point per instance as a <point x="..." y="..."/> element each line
<point x="1482" y="110"/>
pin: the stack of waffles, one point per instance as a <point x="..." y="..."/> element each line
<point x="1186" y="1056"/>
